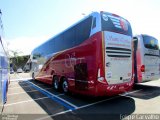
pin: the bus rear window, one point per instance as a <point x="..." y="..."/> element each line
<point x="115" y="24"/>
<point x="150" y="42"/>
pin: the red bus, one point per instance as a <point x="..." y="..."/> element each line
<point x="146" y="58"/>
<point x="92" y="57"/>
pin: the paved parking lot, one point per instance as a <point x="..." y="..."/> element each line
<point x="29" y="99"/>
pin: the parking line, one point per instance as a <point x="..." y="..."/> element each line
<point x="88" y="105"/>
<point x="127" y="93"/>
<point x="19" y="87"/>
<point x="20" y="79"/>
<point x="28" y="100"/>
<point x="24" y="86"/>
<point x="17" y="83"/>
<point x="54" y="97"/>
<point x="26" y="92"/>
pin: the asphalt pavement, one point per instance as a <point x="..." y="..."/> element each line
<point x="29" y="99"/>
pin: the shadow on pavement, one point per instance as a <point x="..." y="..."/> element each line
<point x="113" y="109"/>
<point x="146" y="92"/>
<point x="108" y="109"/>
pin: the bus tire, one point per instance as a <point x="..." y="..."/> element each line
<point x="33" y="77"/>
<point x="55" y="83"/>
<point x="65" y="86"/>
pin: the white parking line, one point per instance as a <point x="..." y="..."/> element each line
<point x="91" y="104"/>
<point x="20" y="79"/>
<point x="28" y="101"/>
<point x="69" y="103"/>
<point x="17" y="83"/>
<point x="128" y="93"/>
<point x="26" y="92"/>
<point x="19" y="87"/>
<point x="24" y="86"/>
<point x="25" y="101"/>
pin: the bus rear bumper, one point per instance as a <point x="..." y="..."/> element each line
<point x="110" y="90"/>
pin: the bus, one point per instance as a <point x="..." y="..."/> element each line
<point x="146" y="58"/>
<point x="4" y="62"/>
<point x="4" y="76"/>
<point x="92" y="57"/>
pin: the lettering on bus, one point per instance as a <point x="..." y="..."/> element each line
<point x="71" y="60"/>
<point x="115" y="40"/>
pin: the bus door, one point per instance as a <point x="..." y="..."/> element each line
<point x="81" y="75"/>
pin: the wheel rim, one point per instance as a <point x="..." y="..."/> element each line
<point x="33" y="76"/>
<point x="56" y="84"/>
<point x="65" y="86"/>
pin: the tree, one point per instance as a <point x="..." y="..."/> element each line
<point x="15" y="58"/>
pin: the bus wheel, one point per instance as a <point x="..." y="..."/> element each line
<point x="65" y="85"/>
<point x="33" y="77"/>
<point x="55" y="83"/>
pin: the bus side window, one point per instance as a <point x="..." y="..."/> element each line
<point x="83" y="30"/>
<point x="94" y="23"/>
<point x="69" y="38"/>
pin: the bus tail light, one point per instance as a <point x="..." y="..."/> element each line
<point x="143" y="68"/>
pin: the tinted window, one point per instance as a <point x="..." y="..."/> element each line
<point x="83" y="30"/>
<point x="49" y="47"/>
<point x="59" y="43"/>
<point x="68" y="39"/>
<point x="150" y="42"/>
<point x="115" y="24"/>
<point x="94" y="23"/>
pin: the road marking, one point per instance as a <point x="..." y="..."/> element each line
<point x="17" y="83"/>
<point x="88" y="105"/>
<point x="127" y="93"/>
<point x="25" y="101"/>
<point x="23" y="86"/>
<point x="26" y="92"/>
<point x="22" y="83"/>
<point x="19" y="87"/>
<point x="28" y="101"/>
<point x="54" y="97"/>
<point x="20" y="79"/>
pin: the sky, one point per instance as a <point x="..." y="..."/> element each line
<point x="28" y="23"/>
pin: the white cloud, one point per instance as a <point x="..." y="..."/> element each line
<point x="25" y="45"/>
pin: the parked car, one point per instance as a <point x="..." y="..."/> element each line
<point x="19" y="70"/>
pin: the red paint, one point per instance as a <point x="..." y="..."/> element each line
<point x="90" y="52"/>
